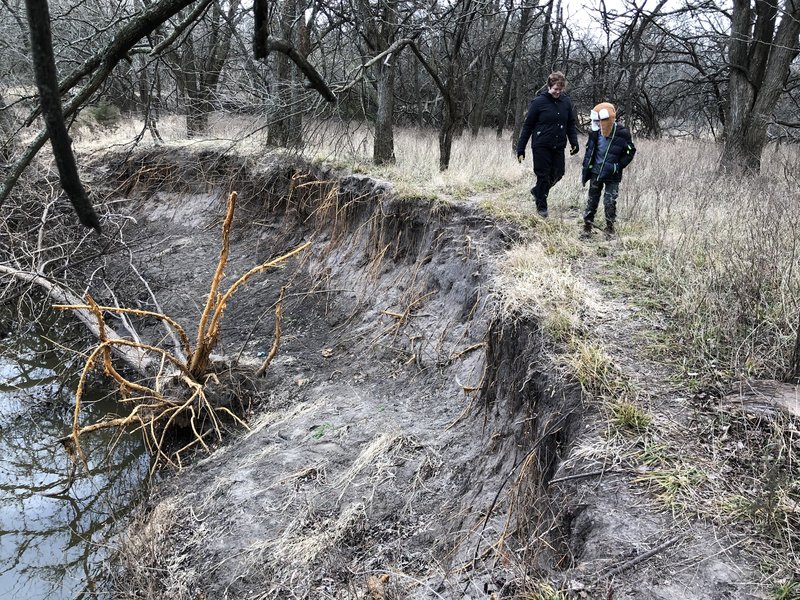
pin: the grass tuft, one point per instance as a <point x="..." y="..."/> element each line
<point x="596" y="372"/>
<point x="534" y="282"/>
<point x="787" y="590"/>
<point x="626" y="416"/>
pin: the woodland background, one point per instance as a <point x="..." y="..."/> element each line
<point x="727" y="71"/>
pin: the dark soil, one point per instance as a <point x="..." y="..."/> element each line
<point x="408" y="441"/>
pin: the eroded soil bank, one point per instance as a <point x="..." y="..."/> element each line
<point x="408" y="441"/>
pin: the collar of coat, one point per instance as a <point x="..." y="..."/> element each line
<point x="608" y="137"/>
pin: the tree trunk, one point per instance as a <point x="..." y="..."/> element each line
<point x="543" y="64"/>
<point x="206" y="71"/>
<point x="451" y="118"/>
<point x="197" y="110"/>
<point x="760" y="57"/>
<point x="378" y="21"/>
<point x="446" y="137"/>
<point x="744" y="143"/>
<point x="383" y="149"/>
<point x="7" y="137"/>
<point x="148" y="101"/>
<point x="277" y="134"/>
<point x="505" y="99"/>
<point x="633" y="92"/>
<point x="479" y="111"/>
<point x="286" y="119"/>
<point x="517" y="100"/>
<point x="189" y="83"/>
<point x="50" y="101"/>
<point x="294" y="139"/>
<point x="454" y="88"/>
<point x="420" y="104"/>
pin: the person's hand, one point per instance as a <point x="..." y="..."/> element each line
<point x="574" y="150"/>
<point x="520" y="157"/>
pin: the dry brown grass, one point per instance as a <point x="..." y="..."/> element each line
<point x="152" y="569"/>
<point x="534" y="283"/>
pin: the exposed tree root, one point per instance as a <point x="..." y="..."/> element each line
<point x="177" y="395"/>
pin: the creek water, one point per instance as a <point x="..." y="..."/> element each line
<point x="52" y="544"/>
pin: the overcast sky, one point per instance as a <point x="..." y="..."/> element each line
<point x="583" y="11"/>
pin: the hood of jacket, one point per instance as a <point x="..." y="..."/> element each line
<point x="604" y="115"/>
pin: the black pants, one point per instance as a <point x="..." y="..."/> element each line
<point x="610" y="194"/>
<point x="548" y="166"/>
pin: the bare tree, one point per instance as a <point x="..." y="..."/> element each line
<point x="199" y="59"/>
<point x="47" y="80"/>
<point x="515" y="96"/>
<point x="286" y="118"/>
<point x="380" y="32"/>
<point x="635" y="92"/>
<point x="122" y="37"/>
<point x="762" y="45"/>
<point x="493" y="30"/>
<point x="291" y="71"/>
<point x="455" y="24"/>
<point x="97" y="67"/>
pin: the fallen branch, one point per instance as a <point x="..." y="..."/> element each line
<point x="135" y="358"/>
<point x="639" y="559"/>
<point x="184" y="340"/>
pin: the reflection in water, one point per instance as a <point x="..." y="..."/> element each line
<point x="50" y="545"/>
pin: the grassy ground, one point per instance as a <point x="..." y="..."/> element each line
<point x="699" y="289"/>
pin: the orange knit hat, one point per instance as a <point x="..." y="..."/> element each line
<point x="606" y="114"/>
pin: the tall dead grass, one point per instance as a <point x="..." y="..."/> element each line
<point x="723" y="254"/>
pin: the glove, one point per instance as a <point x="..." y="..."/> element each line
<point x="573" y="150"/>
<point x="520" y="157"/>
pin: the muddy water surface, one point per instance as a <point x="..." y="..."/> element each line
<point x="53" y="542"/>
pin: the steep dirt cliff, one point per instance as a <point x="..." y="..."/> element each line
<point x="409" y="440"/>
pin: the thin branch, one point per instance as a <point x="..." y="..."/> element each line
<point x="316" y="80"/>
<point x="101" y="64"/>
<point x="639" y="559"/>
<point x="277" y="340"/>
<point x="180" y="28"/>
<point x="212" y="300"/>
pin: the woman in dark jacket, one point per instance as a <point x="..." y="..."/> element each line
<point x="608" y="151"/>
<point x="549" y="123"/>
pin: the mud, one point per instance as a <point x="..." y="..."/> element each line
<point x="408" y="441"/>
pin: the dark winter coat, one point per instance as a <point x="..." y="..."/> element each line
<point x="619" y="155"/>
<point x="549" y="122"/>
